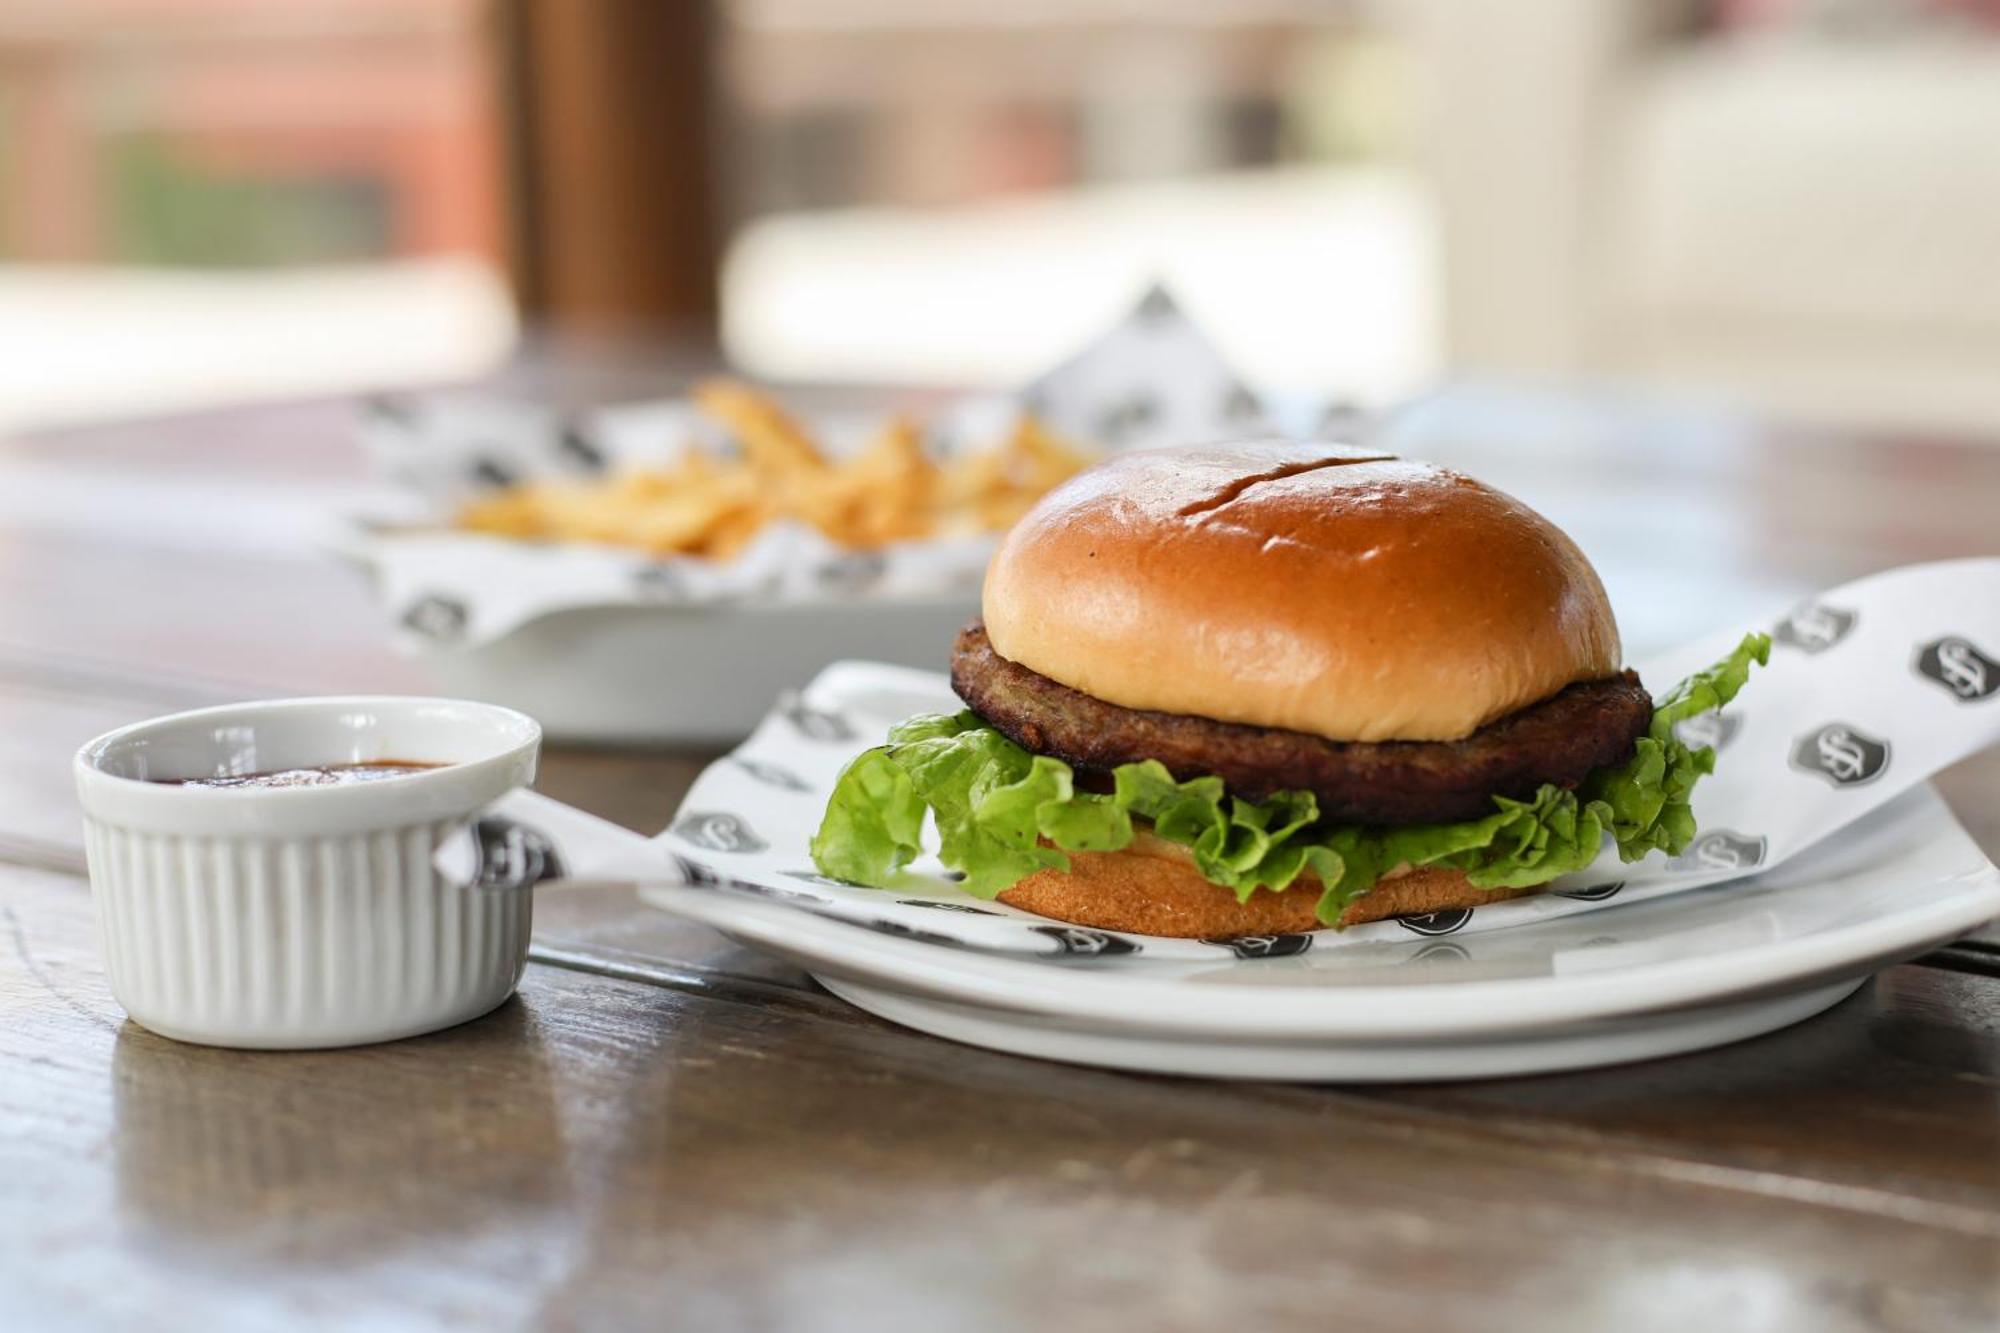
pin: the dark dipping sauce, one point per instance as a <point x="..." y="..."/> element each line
<point x="326" y="775"/>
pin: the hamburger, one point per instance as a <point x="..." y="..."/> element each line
<point x="1272" y="687"/>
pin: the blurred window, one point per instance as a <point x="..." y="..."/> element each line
<point x="957" y="189"/>
<point x="203" y="200"/>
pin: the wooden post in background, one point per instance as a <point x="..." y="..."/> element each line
<point x="613" y="188"/>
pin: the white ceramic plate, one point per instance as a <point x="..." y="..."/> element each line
<point x="1601" y="976"/>
<point x="1538" y="1051"/>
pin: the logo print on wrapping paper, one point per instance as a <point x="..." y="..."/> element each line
<point x="661" y="582"/>
<point x="814" y="877"/>
<point x="438" y="618"/>
<point x="852" y="572"/>
<point x="770" y="774"/>
<point x="718" y="831"/>
<point x="575" y="444"/>
<point x="934" y="905"/>
<point x="1711" y="730"/>
<point x="1814" y="627"/>
<point x="1841" y="753"/>
<point x="1075" y="941"/>
<point x="1340" y="420"/>
<point x="1155" y="307"/>
<point x="695" y="874"/>
<point x="513" y="855"/>
<point x="815" y="724"/>
<point x="1119" y="421"/>
<point x="492" y="473"/>
<point x="884" y="926"/>
<point x="698" y="876"/>
<point x="1594" y="893"/>
<point x="1436" y="923"/>
<point x="1956" y="665"/>
<point x="1240" y="406"/>
<point x="1721" y="849"/>
<point x="394" y="408"/>
<point x="1266" y="946"/>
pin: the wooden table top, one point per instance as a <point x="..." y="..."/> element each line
<point x="665" y="1128"/>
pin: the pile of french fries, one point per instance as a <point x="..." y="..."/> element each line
<point x="711" y="506"/>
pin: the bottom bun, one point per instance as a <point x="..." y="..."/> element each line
<point x="1152" y="888"/>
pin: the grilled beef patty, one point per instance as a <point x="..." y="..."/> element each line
<point x="1561" y="739"/>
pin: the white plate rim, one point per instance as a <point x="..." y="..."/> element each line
<point x="1446" y="1059"/>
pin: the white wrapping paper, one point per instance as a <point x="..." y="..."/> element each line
<point x="1152" y="380"/>
<point x="1872" y="687"/>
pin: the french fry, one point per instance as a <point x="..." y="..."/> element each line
<point x="772" y="442"/>
<point x="883" y="494"/>
<point x="734" y="532"/>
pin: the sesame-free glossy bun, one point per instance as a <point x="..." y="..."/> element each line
<point x="1330" y="590"/>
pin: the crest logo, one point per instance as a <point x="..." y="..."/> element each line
<point x="660" y="583"/>
<point x="1119" y="421"/>
<point x="852" y="572"/>
<point x="885" y="926"/>
<point x="1156" y="307"/>
<point x="394" y="408"/>
<point x="492" y="472"/>
<point x="1721" y="849"/>
<point x="574" y="443"/>
<point x="1595" y="893"/>
<point x="1959" y="667"/>
<point x="438" y="618"/>
<point x="718" y="831"/>
<point x="770" y="774"/>
<point x="1266" y="946"/>
<point x="1240" y="405"/>
<point x="814" y="877"/>
<point x="1075" y="941"/>
<point x="757" y="890"/>
<point x="513" y="855"/>
<point x="815" y="724"/>
<point x="1841" y="753"/>
<point x="1814" y="627"/>
<point x="696" y="874"/>
<point x="1340" y="419"/>
<point x="1710" y="730"/>
<point x="936" y="906"/>
<point x="1437" y="923"/>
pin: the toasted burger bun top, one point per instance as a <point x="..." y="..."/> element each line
<point x="1313" y="587"/>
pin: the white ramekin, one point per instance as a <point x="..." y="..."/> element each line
<point x="308" y="916"/>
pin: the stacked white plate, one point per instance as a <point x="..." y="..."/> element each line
<point x="1597" y="973"/>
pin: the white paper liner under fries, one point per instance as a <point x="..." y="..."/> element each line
<point x="1153" y="380"/>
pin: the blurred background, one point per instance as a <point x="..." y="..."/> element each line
<point x="1789" y="204"/>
